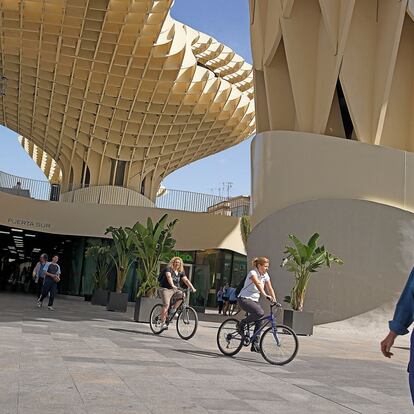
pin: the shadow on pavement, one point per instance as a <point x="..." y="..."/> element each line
<point x="142" y="333"/>
<point x="209" y="354"/>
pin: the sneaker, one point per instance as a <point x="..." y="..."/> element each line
<point x="164" y="327"/>
<point x="51" y="308"/>
<point x="39" y="304"/>
<point x="255" y="347"/>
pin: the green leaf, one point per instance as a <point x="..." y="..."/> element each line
<point x="312" y="245"/>
<point x="300" y="247"/>
<point x="293" y="252"/>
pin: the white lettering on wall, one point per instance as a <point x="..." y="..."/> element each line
<point x="28" y="223"/>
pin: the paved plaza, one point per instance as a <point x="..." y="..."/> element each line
<point x="82" y="359"/>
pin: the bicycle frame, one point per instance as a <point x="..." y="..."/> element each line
<point x="270" y="318"/>
<point x="182" y="306"/>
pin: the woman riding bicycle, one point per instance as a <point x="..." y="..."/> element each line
<point x="169" y="279"/>
<point x="257" y="282"/>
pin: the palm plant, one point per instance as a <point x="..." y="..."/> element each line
<point x="245" y="229"/>
<point x="122" y="254"/>
<point x="100" y="254"/>
<point x="303" y="260"/>
<point x="153" y="244"/>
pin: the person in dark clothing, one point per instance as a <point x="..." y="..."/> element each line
<point x="220" y="300"/>
<point x="52" y="277"/>
<point x="38" y="273"/>
<point x="403" y="318"/>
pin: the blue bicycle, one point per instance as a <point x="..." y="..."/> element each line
<point x="278" y="343"/>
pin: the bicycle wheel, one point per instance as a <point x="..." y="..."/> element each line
<point x="229" y="341"/>
<point x="155" y="319"/>
<point x="279" y="347"/>
<point x="187" y="323"/>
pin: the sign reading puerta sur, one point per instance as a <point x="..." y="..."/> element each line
<point x="28" y="223"/>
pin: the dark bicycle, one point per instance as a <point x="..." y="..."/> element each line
<point x="278" y="343"/>
<point x="187" y="319"/>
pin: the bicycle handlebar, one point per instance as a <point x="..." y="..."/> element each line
<point x="273" y="304"/>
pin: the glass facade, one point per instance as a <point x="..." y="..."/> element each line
<point x="207" y="269"/>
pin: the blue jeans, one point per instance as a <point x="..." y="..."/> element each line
<point x="49" y="286"/>
<point x="411" y="366"/>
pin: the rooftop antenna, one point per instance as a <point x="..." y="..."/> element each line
<point x="227" y="185"/>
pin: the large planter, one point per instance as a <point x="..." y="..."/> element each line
<point x="143" y="307"/>
<point x="117" y="302"/>
<point x="100" y="297"/>
<point x="300" y="322"/>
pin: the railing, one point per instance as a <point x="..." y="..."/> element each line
<point x="187" y="200"/>
<point x="167" y="199"/>
<point x="203" y="203"/>
<point x="27" y="187"/>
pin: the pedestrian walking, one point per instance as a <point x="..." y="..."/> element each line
<point x="52" y="277"/>
<point x="38" y="273"/>
<point x="403" y="318"/>
<point x="220" y="300"/>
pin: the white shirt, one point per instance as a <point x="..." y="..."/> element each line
<point x="249" y="290"/>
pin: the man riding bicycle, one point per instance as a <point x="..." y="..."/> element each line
<point x="169" y="279"/>
<point x="257" y="282"/>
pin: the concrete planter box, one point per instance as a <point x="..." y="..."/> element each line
<point x="200" y="309"/>
<point x="117" y="302"/>
<point x="300" y="322"/>
<point x="143" y="308"/>
<point x="100" y="297"/>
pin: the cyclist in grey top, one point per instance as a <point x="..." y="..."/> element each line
<point x="257" y="283"/>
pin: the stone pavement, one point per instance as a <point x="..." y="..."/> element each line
<point x="82" y="359"/>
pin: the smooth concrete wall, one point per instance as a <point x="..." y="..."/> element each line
<point x="194" y="231"/>
<point x="375" y="241"/>
<point x="292" y="167"/>
<point x="358" y="197"/>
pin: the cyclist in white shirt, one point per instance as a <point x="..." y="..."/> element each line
<point x="257" y="283"/>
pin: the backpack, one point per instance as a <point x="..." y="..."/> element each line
<point x="161" y="276"/>
<point x="239" y="287"/>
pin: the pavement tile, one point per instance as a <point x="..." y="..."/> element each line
<point x="90" y="361"/>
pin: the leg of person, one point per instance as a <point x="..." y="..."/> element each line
<point x="225" y="307"/>
<point x="220" y="306"/>
<point x="166" y="295"/>
<point x="411" y="367"/>
<point x="52" y="293"/>
<point x="39" y="287"/>
<point x="44" y="292"/>
<point x="178" y="298"/>
<point x="255" y="312"/>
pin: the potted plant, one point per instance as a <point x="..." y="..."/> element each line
<point x="303" y="260"/>
<point x="100" y="254"/>
<point x="122" y="254"/>
<point x="153" y="243"/>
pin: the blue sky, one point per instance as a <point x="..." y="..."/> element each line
<point x="228" y="22"/>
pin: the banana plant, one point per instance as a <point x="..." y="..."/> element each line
<point x="122" y="254"/>
<point x="245" y="229"/>
<point x="303" y="260"/>
<point x="100" y="254"/>
<point x="153" y="243"/>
